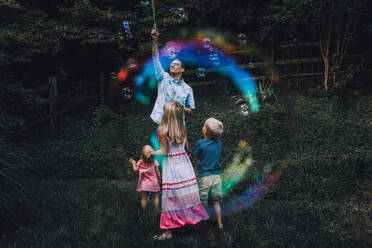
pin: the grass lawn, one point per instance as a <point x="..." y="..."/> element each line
<point x="317" y="192"/>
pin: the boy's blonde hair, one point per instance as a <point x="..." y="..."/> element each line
<point x="214" y="127"/>
<point x="172" y="122"/>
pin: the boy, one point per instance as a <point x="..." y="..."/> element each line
<point x="208" y="151"/>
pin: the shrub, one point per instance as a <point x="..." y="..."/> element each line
<point x="16" y="174"/>
<point x="265" y="94"/>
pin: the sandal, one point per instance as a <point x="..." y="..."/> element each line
<point x="162" y="236"/>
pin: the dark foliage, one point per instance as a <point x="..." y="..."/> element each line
<point x="320" y="198"/>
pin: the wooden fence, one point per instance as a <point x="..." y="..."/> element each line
<point x="61" y="101"/>
<point x="290" y="60"/>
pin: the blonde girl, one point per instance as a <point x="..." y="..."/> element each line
<point x="180" y="193"/>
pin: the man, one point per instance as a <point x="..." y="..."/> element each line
<point x="170" y="85"/>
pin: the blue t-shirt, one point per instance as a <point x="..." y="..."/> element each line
<point x="208" y="152"/>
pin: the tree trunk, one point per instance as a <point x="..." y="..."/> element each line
<point x="102" y="87"/>
<point x="326" y="72"/>
<point x="52" y="100"/>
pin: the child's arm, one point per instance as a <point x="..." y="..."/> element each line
<point x="187" y="147"/>
<point x="163" y="143"/>
<point x="134" y="165"/>
<point x="188" y="110"/>
<point x="195" y="150"/>
<point x="158" y="174"/>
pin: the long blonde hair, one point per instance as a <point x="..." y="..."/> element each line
<point x="172" y="122"/>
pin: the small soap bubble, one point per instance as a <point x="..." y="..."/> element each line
<point x="267" y="170"/>
<point x="181" y="12"/>
<point x="144" y="3"/>
<point x="213" y="58"/>
<point x="128" y="34"/>
<point x="171" y="52"/>
<point x="242" y="38"/>
<point x="132" y="63"/>
<point x="120" y="35"/>
<point x="244" y="109"/>
<point x="126" y="93"/>
<point x="207" y="43"/>
<point x="126" y="24"/>
<point x="201" y="72"/>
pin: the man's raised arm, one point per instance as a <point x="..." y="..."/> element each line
<point x="159" y="71"/>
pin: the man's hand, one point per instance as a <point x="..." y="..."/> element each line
<point x="154" y="33"/>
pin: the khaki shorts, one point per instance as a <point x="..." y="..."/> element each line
<point x="212" y="184"/>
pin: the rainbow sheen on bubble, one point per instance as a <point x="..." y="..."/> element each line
<point x="178" y="11"/>
<point x="236" y="171"/>
<point x="202" y="52"/>
<point x="123" y="74"/>
<point x="254" y="193"/>
<point x="144" y="3"/>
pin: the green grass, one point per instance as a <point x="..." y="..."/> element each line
<point x="320" y="199"/>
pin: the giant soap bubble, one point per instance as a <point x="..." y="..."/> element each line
<point x="217" y="52"/>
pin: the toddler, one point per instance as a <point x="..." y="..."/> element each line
<point x="208" y="151"/>
<point x="148" y="176"/>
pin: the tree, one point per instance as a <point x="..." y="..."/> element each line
<point x="334" y="23"/>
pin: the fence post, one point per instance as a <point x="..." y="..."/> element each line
<point x="272" y="60"/>
<point x="52" y="100"/>
<point x="81" y="87"/>
<point x="102" y="87"/>
<point x="85" y="86"/>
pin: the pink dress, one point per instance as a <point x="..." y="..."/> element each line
<point x="180" y="192"/>
<point x="147" y="179"/>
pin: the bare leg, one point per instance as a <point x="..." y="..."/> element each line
<point x="156" y="200"/>
<point x="217" y="210"/>
<point x="144" y="199"/>
<point x="168" y="232"/>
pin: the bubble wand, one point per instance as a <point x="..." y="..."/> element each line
<point x="153" y="13"/>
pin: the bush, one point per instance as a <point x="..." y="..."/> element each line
<point x="16" y="104"/>
<point x="16" y="174"/>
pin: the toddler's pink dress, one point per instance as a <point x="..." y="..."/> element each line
<point x="147" y="180"/>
